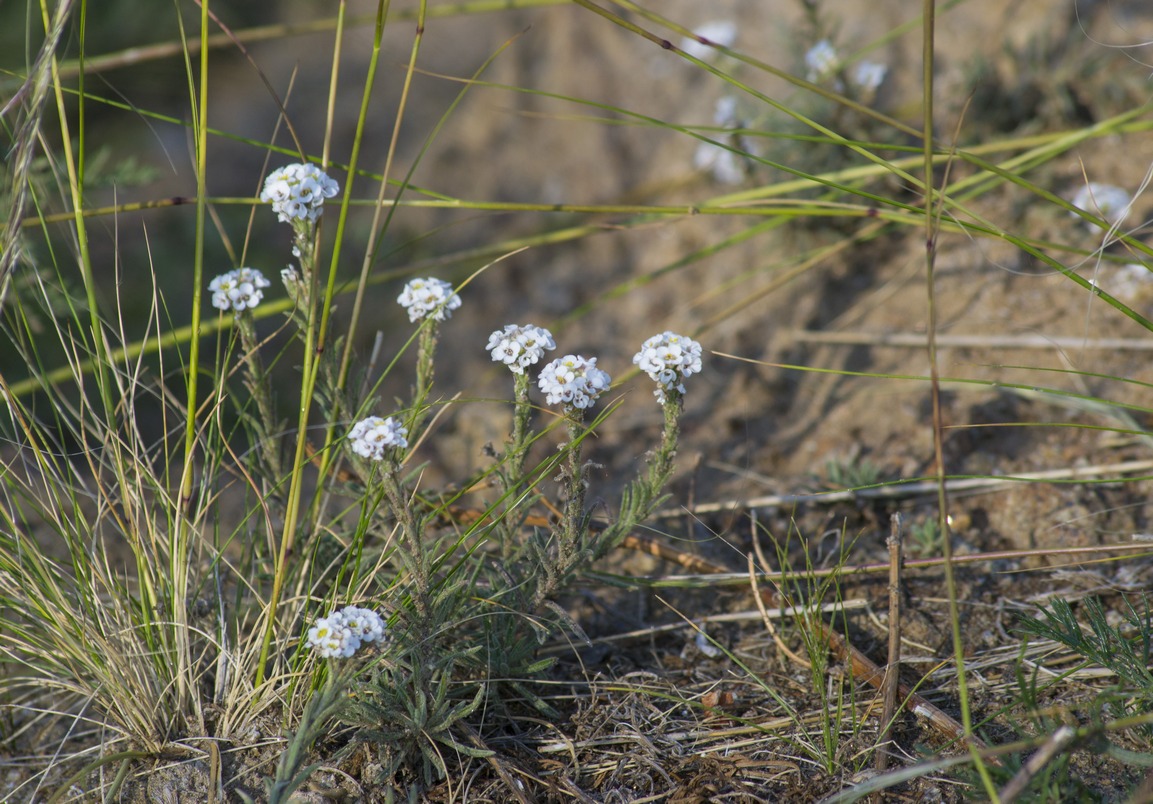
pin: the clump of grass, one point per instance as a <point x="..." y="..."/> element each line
<point x="833" y="739"/>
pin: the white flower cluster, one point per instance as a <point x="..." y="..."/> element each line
<point x="668" y="358"/>
<point x="238" y="290"/>
<point x="574" y="381"/>
<point x="297" y="192"/>
<point x="340" y="634"/>
<point x="821" y="60"/>
<point x="370" y="437"/>
<point x="422" y="297"/>
<point x="1105" y="200"/>
<point x="520" y="347"/>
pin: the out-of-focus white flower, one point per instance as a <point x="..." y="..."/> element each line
<point x="371" y="437"/>
<point x="238" y="290"/>
<point x="869" y="75"/>
<point x="725" y="112"/>
<point x="1125" y="281"/>
<point x="422" y="297"/>
<point x="574" y="381"/>
<point x="340" y="634"/>
<point x="1105" y="200"/>
<point x="519" y="347"/>
<point x="297" y="192"/>
<point x="821" y="60"/>
<point x="718" y="32"/>
<point x="727" y="166"/>
<point x="668" y="358"/>
<point x="289" y="276"/>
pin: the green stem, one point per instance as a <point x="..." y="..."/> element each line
<point x="412" y="547"/>
<point x="425" y="371"/>
<point x="574" y="508"/>
<point x="337" y="384"/>
<point x="265" y="425"/>
<point x="518" y="442"/>
<point x="512" y="473"/>
<point x="932" y="214"/>
<point x="570" y="534"/>
<point x="645" y="493"/>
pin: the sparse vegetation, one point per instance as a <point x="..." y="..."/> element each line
<point x="274" y="524"/>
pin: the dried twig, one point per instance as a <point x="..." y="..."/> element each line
<point x="900" y="491"/>
<point x="915" y="341"/>
<point x="864" y="669"/>
<point x="1053" y="746"/>
<point x="892" y="668"/>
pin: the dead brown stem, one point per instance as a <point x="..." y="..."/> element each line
<point x="893" y="666"/>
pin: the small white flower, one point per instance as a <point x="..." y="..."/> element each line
<point x="370" y="437"/>
<point x="332" y="639"/>
<point x="364" y="624"/>
<point x="297" y="192"/>
<point x="668" y="359"/>
<point x="719" y="32"/>
<point x="422" y="297"/>
<point x="821" y="60"/>
<point x="519" y="347"/>
<point x="238" y="290"/>
<point x="869" y="75"/>
<point x="1105" y="200"/>
<point x="289" y="276"/>
<point x="574" y="381"/>
<point x="340" y="634"/>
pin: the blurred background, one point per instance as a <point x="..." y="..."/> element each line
<point x="567" y="114"/>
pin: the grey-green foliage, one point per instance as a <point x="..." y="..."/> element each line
<point x="925" y="538"/>
<point x="292" y="769"/>
<point x="852" y="474"/>
<point x="415" y="712"/>
<point x="1124" y="648"/>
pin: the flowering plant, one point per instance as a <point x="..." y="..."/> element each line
<point x="341" y="633"/>
<point x="574" y="381"/>
<point x="821" y="60"/>
<point x="370" y="437"/>
<point x="297" y="192"/>
<point x="238" y="290"/>
<point x="668" y="358"/>
<point x="424" y="297"/>
<point x="519" y="347"/>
